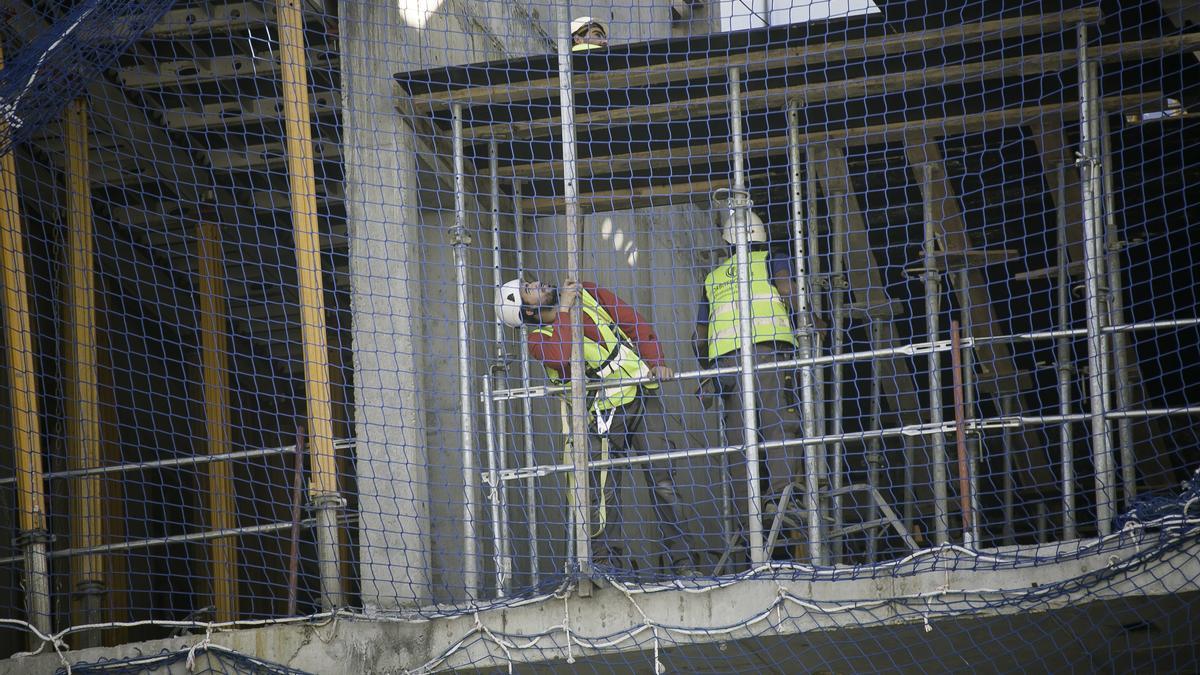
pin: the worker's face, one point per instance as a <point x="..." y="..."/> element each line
<point x="592" y="34"/>
<point x="538" y="295"/>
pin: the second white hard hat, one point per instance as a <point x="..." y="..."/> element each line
<point x="730" y="223"/>
<point x="580" y="22"/>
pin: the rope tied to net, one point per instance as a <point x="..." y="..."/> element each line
<point x="659" y="668"/>
<point x="199" y="646"/>
<point x="567" y="628"/>
<point x="487" y="632"/>
<point x="56" y="641"/>
<point x="780" y="598"/>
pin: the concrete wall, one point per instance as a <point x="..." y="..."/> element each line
<point x="400" y="203"/>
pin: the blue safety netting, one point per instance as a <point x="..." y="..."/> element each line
<point x="880" y="301"/>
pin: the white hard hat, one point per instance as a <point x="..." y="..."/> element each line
<point x="580" y="22"/>
<point x="758" y="231"/>
<point x="508" y="303"/>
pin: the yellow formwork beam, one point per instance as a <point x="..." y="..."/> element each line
<point x="222" y="507"/>
<point x="83" y="380"/>
<point x="27" y="443"/>
<point x="323" y="480"/>
<point x="308" y="246"/>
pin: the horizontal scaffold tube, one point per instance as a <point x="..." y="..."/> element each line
<point x="914" y="349"/>
<point x="974" y="424"/>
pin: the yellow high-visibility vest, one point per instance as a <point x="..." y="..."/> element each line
<point x="612" y="358"/>
<point x="768" y="313"/>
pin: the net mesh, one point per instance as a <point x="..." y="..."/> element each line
<point x="205" y="661"/>
<point x="853" y="292"/>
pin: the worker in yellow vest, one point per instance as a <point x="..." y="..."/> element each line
<point x="717" y="345"/>
<point x="618" y="343"/>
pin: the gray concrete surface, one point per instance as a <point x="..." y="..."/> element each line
<point x="950" y="618"/>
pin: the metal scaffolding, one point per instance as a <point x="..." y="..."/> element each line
<point x="825" y="460"/>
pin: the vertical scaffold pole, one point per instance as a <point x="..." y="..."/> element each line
<point x="804" y="335"/>
<point x="874" y="445"/>
<point x="1008" y="407"/>
<point x="460" y="239"/>
<point x="22" y="382"/>
<point x="323" y="486"/>
<point x="531" y="501"/>
<point x="1116" y="317"/>
<point x="1064" y="368"/>
<point x="941" y="522"/>
<point x="830" y="468"/>
<point x="968" y="374"/>
<point x="579" y="414"/>
<point x="83" y="405"/>
<point x="494" y="411"/>
<point x="960" y="437"/>
<point x="1093" y="233"/>
<point x="817" y="287"/>
<point x="739" y="206"/>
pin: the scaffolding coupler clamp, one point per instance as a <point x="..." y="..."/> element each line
<point x="974" y="426"/>
<point x="459" y="236"/>
<point x="27" y="537"/>
<point x="920" y="348"/>
<point x="1082" y="159"/>
<point x="514" y="474"/>
<point x="323" y="500"/>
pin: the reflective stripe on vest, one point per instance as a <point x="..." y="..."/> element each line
<point x="612" y="358"/>
<point x="769" y="315"/>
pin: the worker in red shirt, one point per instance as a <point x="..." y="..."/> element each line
<point x="618" y="343"/>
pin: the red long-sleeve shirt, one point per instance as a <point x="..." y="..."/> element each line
<point x="554" y="350"/>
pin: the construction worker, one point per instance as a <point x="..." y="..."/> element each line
<point x="717" y="345"/>
<point x="588" y="33"/>
<point x="617" y="343"/>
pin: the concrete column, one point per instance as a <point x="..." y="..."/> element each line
<point x="381" y="206"/>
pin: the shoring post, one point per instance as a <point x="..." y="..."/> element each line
<point x="579" y="413"/>
<point x="222" y="507"/>
<point x="297" y="514"/>
<point x="804" y="336"/>
<point x="839" y="287"/>
<point x="960" y="438"/>
<point x="459" y="240"/>
<point x="941" y="522"/>
<point x="969" y="395"/>
<point x="818" y="286"/>
<point x="83" y="405"/>
<point x="1008" y="482"/>
<point x="33" y="537"/>
<point x="875" y="444"/>
<point x="494" y="411"/>
<point x="531" y="508"/>
<point x="1093" y="233"/>
<point x="1122" y="371"/>
<point x="323" y="485"/>
<point x="729" y="526"/>
<point x="739" y="205"/>
<point x="1064" y="367"/>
